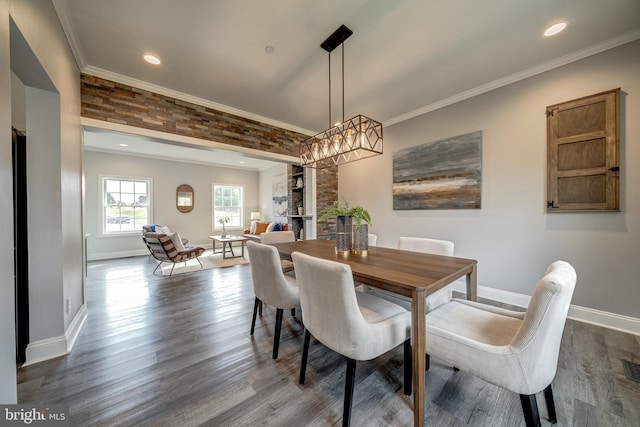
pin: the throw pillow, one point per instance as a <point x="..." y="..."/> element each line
<point x="285" y="227"/>
<point x="261" y="227"/>
<point x="277" y="227"/>
<point x="152" y="227"/>
<point x="270" y="226"/>
<point x="252" y="229"/>
<point x="163" y="229"/>
<point x="177" y="241"/>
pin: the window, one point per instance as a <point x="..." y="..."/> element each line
<point x="126" y="204"/>
<point x="227" y="202"/>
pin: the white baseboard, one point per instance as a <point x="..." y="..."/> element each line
<point x="630" y="325"/>
<point x="75" y="327"/>
<point x="46" y="349"/>
<point x="118" y="254"/>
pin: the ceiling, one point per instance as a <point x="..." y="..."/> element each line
<point x="405" y="58"/>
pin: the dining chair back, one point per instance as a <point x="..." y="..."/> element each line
<point x="354" y="324"/>
<point x="271" y="286"/>
<point x="274" y="237"/>
<point x="513" y="350"/>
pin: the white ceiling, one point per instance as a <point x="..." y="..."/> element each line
<point x="406" y="57"/>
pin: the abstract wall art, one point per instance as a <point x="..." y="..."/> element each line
<point x="280" y="197"/>
<point x="444" y="174"/>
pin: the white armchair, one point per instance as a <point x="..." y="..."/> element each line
<point x="279" y="237"/>
<point x="354" y="324"/>
<point x="271" y="286"/>
<point x="513" y="350"/>
<point x="424" y="245"/>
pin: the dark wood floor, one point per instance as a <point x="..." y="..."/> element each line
<point x="177" y="352"/>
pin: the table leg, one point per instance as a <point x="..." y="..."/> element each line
<point x="231" y="249"/>
<point x="224" y="250"/>
<point x="243" y="243"/>
<point x="418" y="313"/>
<point x="472" y="284"/>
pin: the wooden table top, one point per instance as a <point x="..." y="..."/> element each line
<point x="391" y="269"/>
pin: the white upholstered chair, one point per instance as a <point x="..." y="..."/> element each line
<point x="425" y="245"/>
<point x="354" y="324"/>
<point x="513" y="350"/>
<point x="271" y="286"/>
<point x="279" y="237"/>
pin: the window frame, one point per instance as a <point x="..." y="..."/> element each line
<point x="102" y="179"/>
<point x="215" y="225"/>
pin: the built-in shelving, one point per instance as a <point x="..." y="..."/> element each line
<point x="296" y="194"/>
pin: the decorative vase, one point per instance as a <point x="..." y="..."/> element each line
<point x="360" y="245"/>
<point x="343" y="235"/>
<point x="300" y="211"/>
<point x="224" y="230"/>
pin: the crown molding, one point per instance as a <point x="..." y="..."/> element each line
<point x="64" y="16"/>
<point x="513" y="78"/>
<point x="141" y="84"/>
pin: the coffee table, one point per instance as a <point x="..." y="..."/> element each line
<point x="227" y="241"/>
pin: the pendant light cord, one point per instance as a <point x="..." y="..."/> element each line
<point x="342" y="81"/>
<point x="330" y="124"/>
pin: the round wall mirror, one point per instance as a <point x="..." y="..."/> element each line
<point x="184" y="198"/>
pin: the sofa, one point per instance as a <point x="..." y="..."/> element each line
<point x="259" y="227"/>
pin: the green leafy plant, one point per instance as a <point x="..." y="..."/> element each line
<point x="334" y="211"/>
<point x="360" y="216"/>
<point x="224" y="220"/>
<point x="299" y="203"/>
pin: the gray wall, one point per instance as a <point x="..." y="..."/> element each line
<point x="512" y="236"/>
<point x="167" y="176"/>
<point x="41" y="59"/>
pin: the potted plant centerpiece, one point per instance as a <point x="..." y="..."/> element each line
<point x="341" y="212"/>
<point x="300" y="205"/>
<point x="224" y="220"/>
<point x="361" y="220"/>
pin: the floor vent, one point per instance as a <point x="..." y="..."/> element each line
<point x="631" y="370"/>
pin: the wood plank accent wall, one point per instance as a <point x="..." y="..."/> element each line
<point x="103" y="99"/>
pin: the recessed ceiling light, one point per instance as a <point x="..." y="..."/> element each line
<point x="269" y="49"/>
<point x="123" y="145"/>
<point x="151" y="59"/>
<point x="241" y="162"/>
<point x="555" y="29"/>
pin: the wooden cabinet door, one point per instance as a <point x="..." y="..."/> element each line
<point x="583" y="154"/>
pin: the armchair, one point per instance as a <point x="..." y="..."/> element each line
<point x="513" y="350"/>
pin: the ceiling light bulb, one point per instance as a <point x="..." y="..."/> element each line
<point x="123" y="145"/>
<point x="555" y="29"/>
<point x="151" y="59"/>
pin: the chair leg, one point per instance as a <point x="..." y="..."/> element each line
<point x="172" y="267"/>
<point x="276" y="335"/>
<point x="551" y="406"/>
<point x="348" y="392"/>
<point x="260" y="308"/>
<point x="530" y="410"/>
<point x="408" y="368"/>
<point x="157" y="267"/>
<point x="197" y="259"/>
<point x="427" y="361"/>
<point x="305" y="354"/>
<point x="293" y="312"/>
<point x="255" y="311"/>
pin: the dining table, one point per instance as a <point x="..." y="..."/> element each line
<point x="412" y="274"/>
